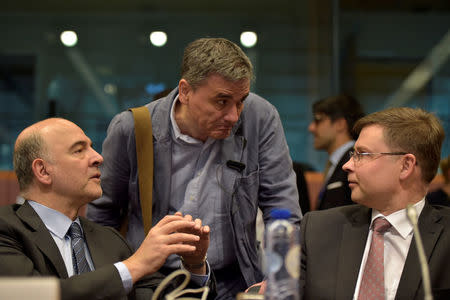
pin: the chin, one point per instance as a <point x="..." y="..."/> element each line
<point x="95" y="194"/>
<point x="219" y="136"/>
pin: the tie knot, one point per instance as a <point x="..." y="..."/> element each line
<point x="75" y="231"/>
<point x="381" y="225"/>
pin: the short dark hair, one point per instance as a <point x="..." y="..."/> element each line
<point x="340" y="106"/>
<point x="207" y="56"/>
<point x="410" y="130"/>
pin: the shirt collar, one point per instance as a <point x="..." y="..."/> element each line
<point x="399" y="219"/>
<point x="55" y="221"/>
<point x="339" y="152"/>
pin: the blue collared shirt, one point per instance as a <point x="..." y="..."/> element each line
<point x="58" y="224"/>
<point x="195" y="190"/>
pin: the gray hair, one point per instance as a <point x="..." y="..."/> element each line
<point x="25" y="152"/>
<point x="207" y="56"/>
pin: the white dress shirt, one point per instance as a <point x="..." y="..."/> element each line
<point x="396" y="245"/>
<point x="58" y="224"/>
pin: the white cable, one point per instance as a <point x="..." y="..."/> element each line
<point x="412" y="216"/>
<point x="179" y="291"/>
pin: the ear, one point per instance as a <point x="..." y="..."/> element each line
<point x="409" y="163"/>
<point x="340" y="124"/>
<point x="184" y="89"/>
<point x="40" y="171"/>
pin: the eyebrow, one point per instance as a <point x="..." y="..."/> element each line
<point x="80" y="143"/>
<point x="228" y="96"/>
<point x="223" y="95"/>
<point x="361" y="149"/>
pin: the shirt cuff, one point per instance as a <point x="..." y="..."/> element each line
<point x="198" y="279"/>
<point x="125" y="275"/>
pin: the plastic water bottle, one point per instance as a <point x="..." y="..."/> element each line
<point x="282" y="257"/>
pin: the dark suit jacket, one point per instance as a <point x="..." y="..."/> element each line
<point x="333" y="243"/>
<point x="337" y="193"/>
<point x="302" y="186"/>
<point x="28" y="249"/>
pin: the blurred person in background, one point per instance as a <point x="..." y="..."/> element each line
<point x="333" y="120"/>
<point x="441" y="196"/>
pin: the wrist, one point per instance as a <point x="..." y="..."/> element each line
<point x="194" y="264"/>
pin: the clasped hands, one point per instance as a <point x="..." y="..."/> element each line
<point x="173" y="234"/>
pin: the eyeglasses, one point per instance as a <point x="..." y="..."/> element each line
<point x="357" y="156"/>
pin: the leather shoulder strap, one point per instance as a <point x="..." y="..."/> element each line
<point x="144" y="152"/>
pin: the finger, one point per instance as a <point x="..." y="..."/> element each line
<point x="198" y="223"/>
<point x="188" y="217"/>
<point x="180" y="248"/>
<point x="206" y="229"/>
<point x="178" y="213"/>
<point x="178" y="238"/>
<point x="167" y="219"/>
<point x="178" y="225"/>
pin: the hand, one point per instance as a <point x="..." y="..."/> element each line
<point x="170" y="236"/>
<point x="201" y="246"/>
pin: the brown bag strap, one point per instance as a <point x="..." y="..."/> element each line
<point x="144" y="152"/>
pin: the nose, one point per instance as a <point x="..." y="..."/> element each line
<point x="348" y="166"/>
<point x="312" y="127"/>
<point x="232" y="114"/>
<point x="97" y="159"/>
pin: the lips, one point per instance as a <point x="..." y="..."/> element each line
<point x="352" y="182"/>
<point x="95" y="176"/>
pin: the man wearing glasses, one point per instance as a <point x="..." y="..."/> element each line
<point x="368" y="251"/>
<point x="333" y="120"/>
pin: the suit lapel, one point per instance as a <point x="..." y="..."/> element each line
<point x="98" y="255"/>
<point x="353" y="242"/>
<point x="42" y="238"/>
<point x="430" y="230"/>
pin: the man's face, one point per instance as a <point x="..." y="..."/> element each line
<point x="324" y="132"/>
<point x="72" y="163"/>
<point x="373" y="179"/>
<point x="213" y="107"/>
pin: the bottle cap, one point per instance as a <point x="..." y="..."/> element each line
<point x="280" y="213"/>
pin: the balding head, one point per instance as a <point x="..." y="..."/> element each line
<point x="30" y="145"/>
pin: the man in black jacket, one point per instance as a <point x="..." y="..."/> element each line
<point x="333" y="120"/>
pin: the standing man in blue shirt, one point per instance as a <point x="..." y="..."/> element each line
<point x="58" y="173"/>
<point x="219" y="153"/>
<point x="333" y="120"/>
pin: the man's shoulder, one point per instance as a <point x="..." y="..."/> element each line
<point x="8" y="212"/>
<point x="443" y="211"/>
<point x="255" y="101"/>
<point x="345" y="212"/>
<point x="258" y="110"/>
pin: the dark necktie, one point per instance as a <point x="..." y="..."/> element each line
<point x="372" y="283"/>
<point x="80" y="264"/>
<point x="324" y="186"/>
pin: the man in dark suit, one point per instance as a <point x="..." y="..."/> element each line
<point x="333" y="120"/>
<point x="395" y="158"/>
<point x="58" y="173"/>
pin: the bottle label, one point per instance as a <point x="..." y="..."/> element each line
<point x="292" y="261"/>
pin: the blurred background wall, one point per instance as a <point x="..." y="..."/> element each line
<point x="384" y="52"/>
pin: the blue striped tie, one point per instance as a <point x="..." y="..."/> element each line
<point x="80" y="264"/>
